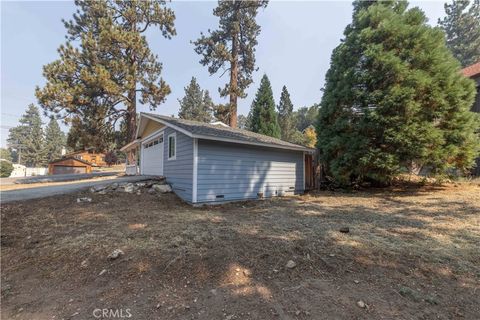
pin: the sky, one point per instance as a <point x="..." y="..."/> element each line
<point x="294" y="48"/>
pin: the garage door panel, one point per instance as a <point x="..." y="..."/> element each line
<point x="68" y="169"/>
<point x="152" y="163"/>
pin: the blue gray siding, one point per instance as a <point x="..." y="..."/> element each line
<point x="239" y="171"/>
<point x="179" y="172"/>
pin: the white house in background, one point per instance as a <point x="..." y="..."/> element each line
<point x="214" y="163"/>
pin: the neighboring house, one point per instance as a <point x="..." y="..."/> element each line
<point x="214" y="163"/>
<point x="96" y="159"/>
<point x="473" y="72"/>
<point x="69" y="165"/>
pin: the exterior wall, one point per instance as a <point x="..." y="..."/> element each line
<point x="97" y="159"/>
<point x="240" y="172"/>
<point x="70" y="162"/>
<point x="179" y="172"/>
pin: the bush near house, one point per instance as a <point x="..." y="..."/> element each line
<point x="6" y="169"/>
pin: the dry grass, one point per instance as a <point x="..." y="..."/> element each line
<point x="410" y="253"/>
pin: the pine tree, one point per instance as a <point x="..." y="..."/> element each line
<point x="55" y="140"/>
<point x="394" y="96"/>
<point x="233" y="43"/>
<point x="286" y="119"/>
<point x="462" y="28"/>
<point x="264" y="117"/>
<point x="221" y="112"/>
<point x="196" y="104"/>
<point x="107" y="64"/>
<point x="242" y="122"/>
<point x="305" y="117"/>
<point x="28" y="138"/>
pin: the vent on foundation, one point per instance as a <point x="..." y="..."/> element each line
<point x="220" y="196"/>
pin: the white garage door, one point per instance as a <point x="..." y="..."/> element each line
<point x="152" y="156"/>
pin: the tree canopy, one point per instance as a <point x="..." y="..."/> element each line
<point x="232" y="44"/>
<point x="462" y="28"/>
<point x="286" y="119"/>
<point x="106" y="64"/>
<point x="263" y="118"/>
<point x="394" y="97"/>
<point x="28" y="138"/>
<point x="196" y="104"/>
<point x="55" y="141"/>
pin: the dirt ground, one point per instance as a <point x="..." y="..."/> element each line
<point x="411" y="253"/>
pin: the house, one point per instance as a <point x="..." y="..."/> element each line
<point x="473" y="72"/>
<point x="213" y="163"/>
<point x="69" y="165"/>
<point x="96" y="159"/>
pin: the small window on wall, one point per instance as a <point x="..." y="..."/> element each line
<point x="172" y="146"/>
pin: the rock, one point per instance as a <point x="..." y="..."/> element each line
<point x="344" y="230"/>
<point x="129" y="187"/>
<point x="141" y="184"/>
<point x="102" y="272"/>
<point x="114" y="186"/>
<point x="162" y="188"/>
<point x="247" y="273"/>
<point x="290" y="264"/>
<point x="84" y="264"/>
<point x="356" y="281"/>
<point x="84" y="199"/>
<point x="151" y="191"/>
<point x="139" y="192"/>
<point x="361" y="304"/>
<point x="115" y="254"/>
<point x="98" y="188"/>
<point x="214" y="292"/>
<point x="102" y="192"/>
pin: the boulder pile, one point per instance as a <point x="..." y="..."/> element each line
<point x="151" y="186"/>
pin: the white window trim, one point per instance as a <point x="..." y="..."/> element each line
<point x="168" y="146"/>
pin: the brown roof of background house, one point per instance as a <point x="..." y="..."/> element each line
<point x="472" y="70"/>
<point x="70" y="158"/>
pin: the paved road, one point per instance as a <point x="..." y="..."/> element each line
<point x="57" y="177"/>
<point x="46" y="191"/>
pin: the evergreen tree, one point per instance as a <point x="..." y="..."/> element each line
<point x="196" y="104"/>
<point x="264" y="117"/>
<point x="394" y="96"/>
<point x="221" y="112"/>
<point x="305" y="117"/>
<point x="242" y="122"/>
<point x="462" y="28"/>
<point x="233" y="43"/>
<point x="286" y="119"/>
<point x="28" y="138"/>
<point x="55" y="140"/>
<point x="6" y="154"/>
<point x="106" y="64"/>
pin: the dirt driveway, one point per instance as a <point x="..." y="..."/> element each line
<point x="410" y="254"/>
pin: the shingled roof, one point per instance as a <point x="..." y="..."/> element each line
<point x="220" y="132"/>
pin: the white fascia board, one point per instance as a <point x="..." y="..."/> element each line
<point x="166" y="123"/>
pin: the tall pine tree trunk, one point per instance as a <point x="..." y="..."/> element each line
<point x="132" y="116"/>
<point x="234" y="76"/>
<point x="233" y="92"/>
